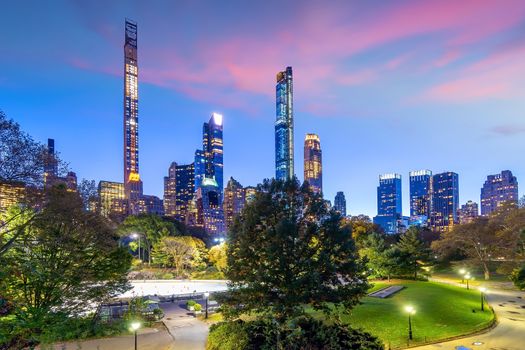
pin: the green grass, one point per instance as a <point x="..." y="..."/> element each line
<point x="443" y="311"/>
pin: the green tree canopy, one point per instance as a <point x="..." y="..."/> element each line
<point x="413" y="252"/>
<point x="67" y="261"/>
<point x="182" y="253"/>
<point x="287" y="250"/>
<point x="218" y="257"/>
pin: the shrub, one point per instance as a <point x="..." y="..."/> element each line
<point x="301" y="333"/>
<point x="197" y="307"/>
<point x="167" y="276"/>
<point x="227" y="336"/>
<point x="190" y="303"/>
<point x="518" y="277"/>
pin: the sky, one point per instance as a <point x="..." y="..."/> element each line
<point x="389" y="86"/>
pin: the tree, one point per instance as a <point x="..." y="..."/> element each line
<point x="413" y="251"/>
<point x="381" y="260"/>
<point x="361" y="227"/>
<point x="287" y="250"/>
<point x="182" y="253"/>
<point x="22" y="163"/>
<point x="66" y="261"/>
<point x="87" y="189"/>
<point x="152" y="227"/>
<point x="217" y="256"/>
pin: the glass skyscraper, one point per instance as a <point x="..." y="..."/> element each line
<point x="313" y="162"/>
<point x="389" y="202"/>
<point x="284" y="150"/>
<point x="132" y="182"/>
<point x="445" y="201"/>
<point x="420" y="195"/>
<point x="340" y="203"/>
<point x="498" y="189"/>
<point x="179" y="189"/>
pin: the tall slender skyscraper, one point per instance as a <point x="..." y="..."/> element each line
<point x="389" y="202"/>
<point x="132" y="182"/>
<point x="212" y="145"/>
<point x="284" y="150"/>
<point x="313" y="162"/>
<point x="445" y="201"/>
<point x="498" y="189"/>
<point x="420" y="186"/>
<point x="340" y="203"/>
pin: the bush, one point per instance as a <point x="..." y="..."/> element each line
<point x="197" y="307"/>
<point x="227" y="336"/>
<point x="518" y="277"/>
<point x="301" y="333"/>
<point x="167" y="276"/>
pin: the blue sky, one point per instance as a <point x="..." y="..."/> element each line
<point x="388" y="86"/>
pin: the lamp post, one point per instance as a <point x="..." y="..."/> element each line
<point x="467" y="277"/>
<point x="206" y="295"/>
<point x="134" y="327"/>
<point x="462" y="272"/>
<point x="411" y="311"/>
<point x="482" y="290"/>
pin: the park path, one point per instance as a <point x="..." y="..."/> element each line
<point x="508" y="334"/>
<point x="180" y="331"/>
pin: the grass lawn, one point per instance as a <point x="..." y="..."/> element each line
<point x="443" y="311"/>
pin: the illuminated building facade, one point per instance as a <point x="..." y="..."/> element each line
<point x="132" y="182"/>
<point x="468" y="212"/>
<point x="389" y="203"/>
<point x="234" y="201"/>
<point x="445" y="201"/>
<point x="209" y="207"/>
<point x="284" y="143"/>
<point x="340" y="203"/>
<point x="313" y="167"/>
<point x="498" y="189"/>
<point x="250" y="193"/>
<point x="420" y="195"/>
<point x="148" y="204"/>
<point x="11" y="194"/>
<point x="170" y="191"/>
<point x="112" y="199"/>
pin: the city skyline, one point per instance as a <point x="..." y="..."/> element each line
<point x="169" y="118"/>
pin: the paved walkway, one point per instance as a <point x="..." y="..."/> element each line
<point x="180" y="331"/>
<point x="509" y="333"/>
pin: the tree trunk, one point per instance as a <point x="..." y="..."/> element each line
<point x="486" y="270"/>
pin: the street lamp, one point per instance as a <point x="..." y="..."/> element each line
<point x="206" y="295"/>
<point x="134" y="327"/>
<point x="411" y="311"/>
<point x="462" y="272"/>
<point x="482" y="290"/>
<point x="467" y="277"/>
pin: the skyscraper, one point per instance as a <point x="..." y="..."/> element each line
<point x="498" y="189"/>
<point x="179" y="189"/>
<point x="209" y="207"/>
<point x="445" y="201"/>
<point x="132" y="182"/>
<point x="234" y="201"/>
<point x="212" y="145"/>
<point x="340" y="203"/>
<point x="51" y="164"/>
<point x="389" y="203"/>
<point x="112" y="200"/>
<point x="284" y="150"/>
<point x="170" y="191"/>
<point x="420" y="195"/>
<point x="468" y="212"/>
<point x="313" y="167"/>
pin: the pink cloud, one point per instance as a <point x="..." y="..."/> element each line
<point x="496" y="76"/>
<point x="318" y="40"/>
<point x="508" y="130"/>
